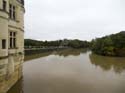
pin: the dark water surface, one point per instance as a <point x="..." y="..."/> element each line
<point x="72" y="71"/>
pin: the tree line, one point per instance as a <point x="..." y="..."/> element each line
<point x="110" y="45"/>
<point x="29" y="43"/>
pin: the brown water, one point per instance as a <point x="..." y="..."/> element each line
<point x="72" y="71"/>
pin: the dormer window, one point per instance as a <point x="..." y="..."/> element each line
<point x="4" y="5"/>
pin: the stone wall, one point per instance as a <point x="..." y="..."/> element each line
<point x="10" y="71"/>
<point x="8" y="25"/>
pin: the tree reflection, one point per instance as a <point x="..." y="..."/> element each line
<point x="39" y="55"/>
<point x="64" y="53"/>
<point x="108" y="63"/>
<point x="70" y="52"/>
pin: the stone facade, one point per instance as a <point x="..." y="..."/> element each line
<point x="10" y="71"/>
<point x="11" y="27"/>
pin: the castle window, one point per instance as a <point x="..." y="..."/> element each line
<point x="12" y="39"/>
<point x="14" y="42"/>
<point x="11" y="43"/>
<point x="3" y="44"/>
<point x="14" y="34"/>
<point x="11" y="33"/>
<point x="4" y="5"/>
<point x="12" y="12"/>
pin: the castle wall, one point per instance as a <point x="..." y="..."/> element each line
<point x="10" y="72"/>
<point x="11" y="56"/>
<point x="8" y="25"/>
<point x="3" y="33"/>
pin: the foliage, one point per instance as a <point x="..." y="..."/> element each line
<point x="112" y="45"/>
<point x="58" y="43"/>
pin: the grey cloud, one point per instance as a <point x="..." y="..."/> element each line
<point x="82" y="19"/>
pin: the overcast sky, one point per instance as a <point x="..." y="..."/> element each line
<point x="73" y="19"/>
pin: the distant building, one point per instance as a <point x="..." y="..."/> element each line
<point x="11" y="27"/>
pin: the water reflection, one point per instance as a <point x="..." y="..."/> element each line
<point x="64" y="53"/>
<point x="10" y="71"/>
<point x="108" y="63"/>
<point x="34" y="56"/>
<point x="70" y="52"/>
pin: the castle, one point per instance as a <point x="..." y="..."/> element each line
<point x="11" y="27"/>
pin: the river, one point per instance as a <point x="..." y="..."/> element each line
<point x="71" y="71"/>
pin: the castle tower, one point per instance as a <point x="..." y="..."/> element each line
<point x="11" y="27"/>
